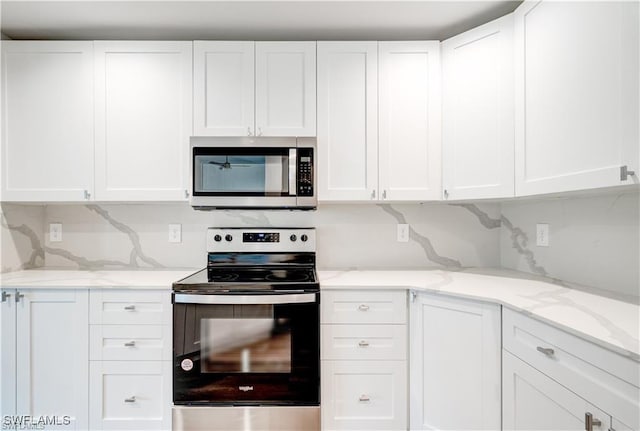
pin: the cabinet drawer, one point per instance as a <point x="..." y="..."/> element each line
<point x="606" y="379"/>
<point x="364" y="342"/>
<point x="373" y="306"/>
<point x="130" y="307"/>
<point x="130" y="343"/>
<point x="364" y="395"/>
<point x="130" y="395"/>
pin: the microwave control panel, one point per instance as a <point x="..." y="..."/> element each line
<point x="305" y="172"/>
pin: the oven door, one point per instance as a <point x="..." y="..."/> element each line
<point x="254" y="349"/>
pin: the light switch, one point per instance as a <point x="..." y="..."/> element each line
<point x="542" y="235"/>
<point x="55" y="232"/>
<point x="175" y="232"/>
<point x="403" y="233"/>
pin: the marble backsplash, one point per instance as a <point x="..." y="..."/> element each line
<point x="594" y="240"/>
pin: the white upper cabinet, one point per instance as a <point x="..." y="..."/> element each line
<point x="224" y="88"/>
<point x="286" y="88"/>
<point x="409" y="120"/>
<point x="143" y="120"/>
<point x="47" y="116"/>
<point x="347" y="120"/>
<point x="477" y="135"/>
<point x="576" y="95"/>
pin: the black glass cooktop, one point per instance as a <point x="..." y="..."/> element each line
<point x="260" y="275"/>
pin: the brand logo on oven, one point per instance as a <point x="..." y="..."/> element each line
<point x="245" y="388"/>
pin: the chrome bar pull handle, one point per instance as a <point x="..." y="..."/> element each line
<point x="293" y="171"/>
<point x="363" y="307"/>
<point x="546" y="350"/>
<point x="364" y="398"/>
<point x="130" y="399"/>
<point x="363" y="343"/>
<point x="590" y="422"/>
<point x="130" y="307"/>
<point x="130" y="344"/>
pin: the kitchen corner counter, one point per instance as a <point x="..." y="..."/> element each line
<point x="608" y="322"/>
<point x="59" y="278"/>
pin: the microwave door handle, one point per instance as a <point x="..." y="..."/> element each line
<point x="293" y="169"/>
<point x="298" y="298"/>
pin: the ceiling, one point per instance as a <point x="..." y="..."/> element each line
<point x="246" y="20"/>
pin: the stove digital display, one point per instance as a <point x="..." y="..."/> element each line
<point x="260" y="237"/>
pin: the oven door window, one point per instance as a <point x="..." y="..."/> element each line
<point x="241" y="171"/>
<point x="258" y="345"/>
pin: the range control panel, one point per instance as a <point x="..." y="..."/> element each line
<point x="261" y="240"/>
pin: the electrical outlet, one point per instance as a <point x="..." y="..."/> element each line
<point x="175" y="232"/>
<point x="403" y="233"/>
<point x="542" y="235"/>
<point x="55" y="232"/>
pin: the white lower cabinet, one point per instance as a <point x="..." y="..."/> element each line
<point x="361" y="395"/>
<point x="364" y="359"/>
<point x="130" y="351"/>
<point x="45" y="356"/>
<point x="533" y="401"/>
<point x="455" y="363"/>
<point x="130" y="395"/>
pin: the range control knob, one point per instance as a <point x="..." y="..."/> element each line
<point x="293" y="237"/>
<point x="217" y="238"/>
<point x="304" y="238"/>
<point x="228" y="237"/>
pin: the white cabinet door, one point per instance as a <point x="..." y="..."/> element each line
<point x="52" y="354"/>
<point x="347" y="121"/>
<point x="130" y="395"/>
<point x="286" y="88"/>
<point x="533" y="401"/>
<point x="47" y="105"/>
<point x="368" y="395"/>
<point x="576" y="95"/>
<point x="455" y="364"/>
<point x="477" y="99"/>
<point x="143" y="120"/>
<point x="223" y="88"/>
<point x="7" y="352"/>
<point x="409" y="120"/>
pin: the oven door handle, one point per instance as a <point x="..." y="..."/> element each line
<point x="293" y="171"/>
<point x="298" y="298"/>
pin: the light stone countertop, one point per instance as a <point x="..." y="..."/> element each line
<point x="608" y="322"/>
<point x="611" y="323"/>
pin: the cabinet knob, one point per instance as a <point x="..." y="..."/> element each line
<point x="590" y="422"/>
<point x="384" y="194"/>
<point x="5" y="296"/>
<point x="130" y="344"/>
<point x="19" y="296"/>
<point x="364" y="398"/>
<point x="446" y="194"/>
<point x="130" y="307"/>
<point x="130" y="400"/>
<point x="363" y="307"/>
<point x="373" y="194"/>
<point x="186" y="194"/>
<point x="249" y="131"/>
<point x="625" y="173"/>
<point x="545" y="350"/>
<point x="363" y="343"/>
<point x="87" y="195"/>
<point x="259" y="131"/>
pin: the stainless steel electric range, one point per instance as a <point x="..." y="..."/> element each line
<point x="246" y="334"/>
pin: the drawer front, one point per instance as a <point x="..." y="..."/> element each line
<point x="130" y="343"/>
<point x="130" y="307"/>
<point x="364" y="395"/>
<point x="130" y="395"/>
<point x="373" y="306"/>
<point x="604" y="378"/>
<point x="364" y="342"/>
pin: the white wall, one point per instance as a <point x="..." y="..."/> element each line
<point x="593" y="240"/>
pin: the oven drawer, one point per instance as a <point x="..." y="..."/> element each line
<point x="130" y="307"/>
<point x="364" y="342"/>
<point x="130" y="343"/>
<point x="372" y="306"/>
<point x="601" y="376"/>
<point x="128" y="395"/>
<point x="364" y="395"/>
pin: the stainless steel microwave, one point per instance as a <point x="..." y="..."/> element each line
<point x="253" y="172"/>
